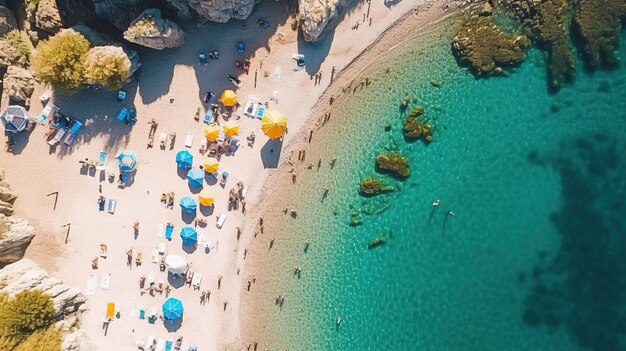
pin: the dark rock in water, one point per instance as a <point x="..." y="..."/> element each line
<point x="598" y="25"/>
<point x="374" y="186"/>
<point x="393" y="163"/>
<point x="415" y="126"/>
<point x="486" y="48"/>
<point x="376" y="242"/>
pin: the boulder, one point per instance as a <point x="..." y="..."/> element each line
<point x="27" y="275"/>
<point x="223" y="10"/>
<point x="120" y="13"/>
<point x="96" y="38"/>
<point x="48" y="17"/>
<point x="314" y="16"/>
<point x="19" y="84"/>
<point x="394" y="164"/>
<point x="151" y="30"/>
<point x="7" y="20"/>
<point x="15" y="236"/>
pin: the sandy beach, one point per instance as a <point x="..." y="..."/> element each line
<point x="58" y="194"/>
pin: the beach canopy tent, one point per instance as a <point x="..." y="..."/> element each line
<point x="184" y="159"/>
<point x="188" y="204"/>
<point x="212" y="132"/>
<point x="228" y="98"/>
<point x="206" y="198"/>
<point x="175" y="264"/>
<point x="189" y="235"/>
<point x="274" y="124"/>
<point x="211" y="165"/>
<point x="127" y="161"/>
<point x="14" y="118"/>
<point x="172" y="309"/>
<point x="195" y="177"/>
<point x="231" y="128"/>
<point x="110" y="313"/>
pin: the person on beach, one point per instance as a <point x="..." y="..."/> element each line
<point x="306" y="245"/>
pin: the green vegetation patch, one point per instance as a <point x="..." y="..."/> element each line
<point x="27" y="322"/>
<point x="61" y="60"/>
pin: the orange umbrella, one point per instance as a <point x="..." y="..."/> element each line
<point x="205" y="198"/>
<point x="231" y="128"/>
<point x="274" y="124"/>
<point x="212" y="132"/>
<point x="228" y="98"/>
<point x="211" y="165"/>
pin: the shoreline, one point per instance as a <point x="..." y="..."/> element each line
<point x="412" y="23"/>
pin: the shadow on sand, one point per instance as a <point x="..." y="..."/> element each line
<point x="270" y="153"/>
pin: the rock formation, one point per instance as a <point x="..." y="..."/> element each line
<point x="415" y="126"/>
<point x="27" y="275"/>
<point x="374" y="186"/>
<point x="598" y="25"/>
<point x="47" y="17"/>
<point x="223" y="10"/>
<point x="15" y="236"/>
<point x="19" y="85"/>
<point x="486" y="48"/>
<point x="151" y="30"/>
<point x="120" y="13"/>
<point x="96" y="38"/>
<point x="314" y="16"/>
<point x="7" y="198"/>
<point x="393" y="163"/>
<point x="7" y="20"/>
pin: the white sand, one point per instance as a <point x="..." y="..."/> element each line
<point x="36" y="171"/>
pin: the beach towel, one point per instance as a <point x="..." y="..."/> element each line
<point x="220" y="220"/>
<point x="159" y="230"/>
<point x="169" y="229"/>
<point x="133" y="310"/>
<point x="196" y="280"/>
<point x="142" y="313"/>
<point x="189" y="140"/>
<point x="111" y="207"/>
<point x="102" y="158"/>
<point x="168" y="345"/>
<point x="106" y="282"/>
<point x="92" y="282"/>
<point x="160" y="346"/>
<point x="162" y="248"/>
<point x="208" y="116"/>
<point x="260" y="111"/>
<point x="155" y="256"/>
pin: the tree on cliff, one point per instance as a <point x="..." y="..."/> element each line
<point x="61" y="60"/>
<point x="107" y="66"/>
<point x="28" y="318"/>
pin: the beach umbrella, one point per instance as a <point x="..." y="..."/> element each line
<point x="205" y="198"/>
<point x="189" y="235"/>
<point x="127" y="161"/>
<point x="195" y="177"/>
<point x="184" y="159"/>
<point x="14" y="118"/>
<point x="172" y="309"/>
<point x="228" y="98"/>
<point x="211" y="165"/>
<point x="274" y="124"/>
<point x="231" y="128"/>
<point x="188" y="204"/>
<point x="212" y="132"/>
<point x="175" y="264"/>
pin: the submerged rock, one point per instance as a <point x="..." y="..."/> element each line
<point x="374" y="186"/>
<point x="487" y="48"/>
<point x="19" y="84"/>
<point x="314" y="16"/>
<point x="598" y="25"/>
<point x="393" y="163"/>
<point x="416" y="127"/>
<point x="151" y="30"/>
<point x="376" y="242"/>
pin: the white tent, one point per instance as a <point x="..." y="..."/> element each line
<point x="175" y="264"/>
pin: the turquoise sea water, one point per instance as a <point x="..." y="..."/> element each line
<point x="535" y="256"/>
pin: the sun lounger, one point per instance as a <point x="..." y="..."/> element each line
<point x="169" y="229"/>
<point x="142" y="313"/>
<point x="196" y="280"/>
<point x="45" y="96"/>
<point x="92" y="281"/>
<point x="72" y="131"/>
<point x="208" y="116"/>
<point x="111" y="206"/>
<point x="106" y="282"/>
<point x="168" y="345"/>
<point x="249" y="109"/>
<point x="162" y="139"/>
<point x="203" y="145"/>
<point x="260" y="111"/>
<point x="160" y="346"/>
<point x="189" y="140"/>
<point x="57" y="137"/>
<point x="43" y="116"/>
<point x="159" y="230"/>
<point x="121" y="95"/>
<point x="155" y="256"/>
<point x="122" y="114"/>
<point x="162" y="248"/>
<point x="220" y="220"/>
<point x="102" y="159"/>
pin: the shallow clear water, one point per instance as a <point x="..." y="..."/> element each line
<point x="535" y="256"/>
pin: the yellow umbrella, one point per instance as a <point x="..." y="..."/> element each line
<point x="212" y="132"/>
<point x="274" y="124"/>
<point x="211" y="165"/>
<point x="228" y="98"/>
<point x="231" y="128"/>
<point x="205" y="198"/>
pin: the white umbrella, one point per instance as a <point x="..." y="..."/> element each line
<point x="176" y="264"/>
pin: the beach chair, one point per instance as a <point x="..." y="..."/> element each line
<point x="189" y="140"/>
<point x="111" y="206"/>
<point x="220" y="220"/>
<point x="57" y="137"/>
<point x="121" y="95"/>
<point x="260" y="111"/>
<point x="154" y="257"/>
<point x="43" y="116"/>
<point x="110" y="312"/>
<point x="162" y="248"/>
<point x="72" y="131"/>
<point x="169" y="230"/>
<point x="196" y="280"/>
<point x="102" y="159"/>
<point x="142" y="313"/>
<point x="103" y="251"/>
<point x="168" y="345"/>
<point x="105" y="283"/>
<point x="208" y="116"/>
<point x="202" y="58"/>
<point x="45" y="97"/>
<point x="162" y="139"/>
<point x="203" y="146"/>
<point x="101" y="203"/>
<point x="249" y="108"/>
<point x="122" y="114"/>
<point x="160" y="345"/>
<point x="92" y="284"/>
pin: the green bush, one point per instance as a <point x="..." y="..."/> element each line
<point x="108" y="67"/>
<point x="44" y="340"/>
<point x="25" y="314"/>
<point x="61" y="60"/>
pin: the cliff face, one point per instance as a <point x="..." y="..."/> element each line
<point x="223" y="10"/>
<point x="315" y="15"/>
<point x="15" y="233"/>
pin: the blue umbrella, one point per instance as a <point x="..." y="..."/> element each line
<point x="127" y="161"/>
<point x="184" y="159"/>
<point x="189" y="235"/>
<point x="173" y="309"/>
<point x="195" y="177"/>
<point x="188" y="204"/>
